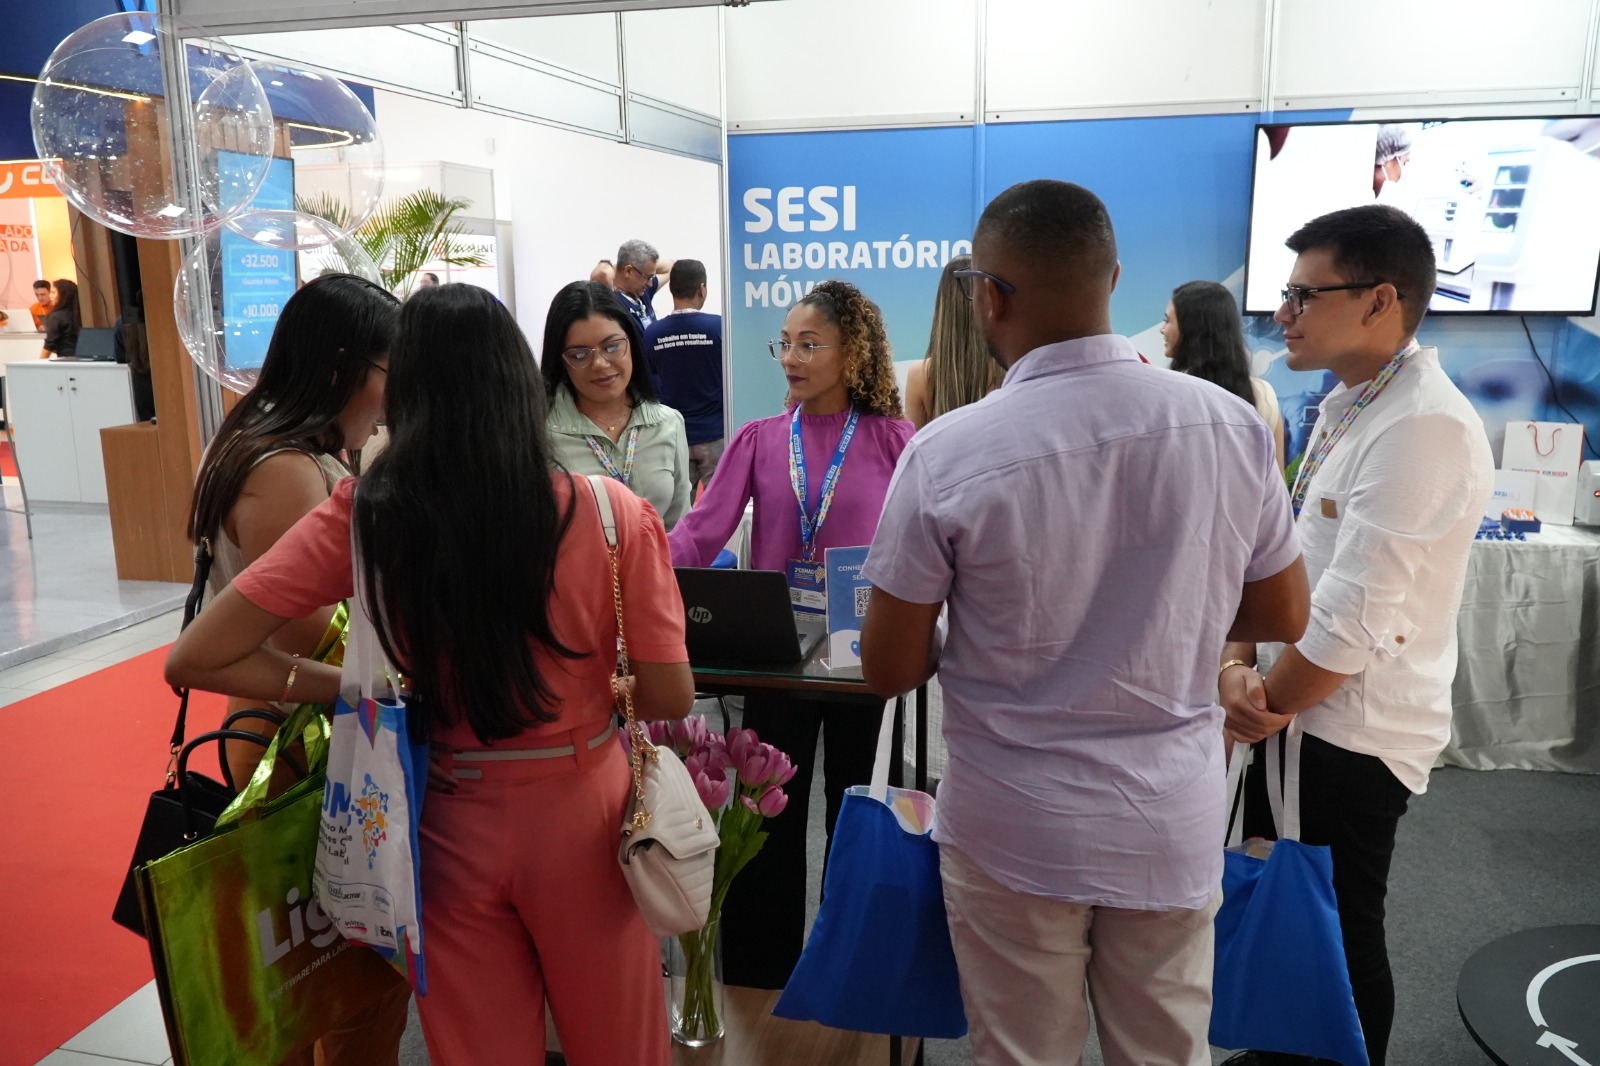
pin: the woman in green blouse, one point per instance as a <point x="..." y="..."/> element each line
<point x="604" y="418"/>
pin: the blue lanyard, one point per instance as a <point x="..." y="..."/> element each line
<point x="809" y="526"/>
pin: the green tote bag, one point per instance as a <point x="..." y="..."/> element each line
<point x="248" y="967"/>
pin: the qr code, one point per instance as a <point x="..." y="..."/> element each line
<point x="863" y="594"/>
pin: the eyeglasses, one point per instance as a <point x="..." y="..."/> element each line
<point x="1295" y="295"/>
<point x="378" y="366"/>
<point x="802" y="352"/>
<point x="965" y="278"/>
<point x="614" y="351"/>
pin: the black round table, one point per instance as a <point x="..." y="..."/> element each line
<point x="1533" y="998"/>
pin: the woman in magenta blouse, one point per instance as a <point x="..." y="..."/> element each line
<point x="834" y="351"/>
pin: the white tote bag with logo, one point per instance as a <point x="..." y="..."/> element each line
<point x="1552" y="452"/>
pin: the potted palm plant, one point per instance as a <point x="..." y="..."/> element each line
<point x="404" y="235"/>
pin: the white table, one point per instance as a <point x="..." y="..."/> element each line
<point x="1527" y="687"/>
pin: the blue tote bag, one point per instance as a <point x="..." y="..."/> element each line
<point x="1281" y="983"/>
<point x="879" y="957"/>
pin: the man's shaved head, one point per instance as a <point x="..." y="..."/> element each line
<point x="1049" y="229"/>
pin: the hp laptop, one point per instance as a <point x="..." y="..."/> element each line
<point x="744" y="616"/>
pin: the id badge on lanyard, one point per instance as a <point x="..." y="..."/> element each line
<point x="808" y="589"/>
<point x="808" y="593"/>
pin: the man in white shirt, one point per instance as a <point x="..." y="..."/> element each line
<point x="1389" y="496"/>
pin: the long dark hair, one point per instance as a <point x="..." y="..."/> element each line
<point x="1211" y="338"/>
<point x="320" y="354"/>
<point x="457" y="520"/>
<point x="574" y="303"/>
<point x="67" y="302"/>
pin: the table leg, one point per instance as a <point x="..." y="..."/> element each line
<point x="921" y="767"/>
<point x="897" y="774"/>
<point x="920" y="773"/>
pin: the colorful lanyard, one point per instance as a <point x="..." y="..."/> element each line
<point x="809" y="526"/>
<point x="1313" y="462"/>
<point x="625" y="475"/>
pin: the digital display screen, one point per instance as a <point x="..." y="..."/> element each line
<point x="1512" y="206"/>
<point x="256" y="280"/>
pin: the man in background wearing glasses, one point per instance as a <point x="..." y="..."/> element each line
<point x="637" y="279"/>
<point x="1389" y="495"/>
<point x="1098" y="529"/>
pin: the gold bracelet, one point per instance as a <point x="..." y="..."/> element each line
<point x="294" y="669"/>
<point x="1229" y="665"/>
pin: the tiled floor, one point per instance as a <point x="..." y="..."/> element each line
<point x="79" y="660"/>
<point x="61" y="587"/>
<point x="131" y="1032"/>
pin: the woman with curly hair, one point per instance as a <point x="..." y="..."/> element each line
<point x="845" y="410"/>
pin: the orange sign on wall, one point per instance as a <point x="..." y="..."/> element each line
<point x="25" y="179"/>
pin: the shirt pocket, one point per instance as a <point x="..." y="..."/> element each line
<point x="1322" y="517"/>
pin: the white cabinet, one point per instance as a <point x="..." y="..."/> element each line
<point x="57" y="412"/>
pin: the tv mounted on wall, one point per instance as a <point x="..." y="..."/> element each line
<point x="1512" y="204"/>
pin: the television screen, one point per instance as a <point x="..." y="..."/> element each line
<point x="256" y="280"/>
<point x="1512" y="205"/>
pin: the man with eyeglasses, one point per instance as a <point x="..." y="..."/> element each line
<point x="1098" y="529"/>
<point x="637" y="279"/>
<point x="1389" y="496"/>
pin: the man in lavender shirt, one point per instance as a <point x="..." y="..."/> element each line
<point x="1098" y="529"/>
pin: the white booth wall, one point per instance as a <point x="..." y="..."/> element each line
<point x="571" y="198"/>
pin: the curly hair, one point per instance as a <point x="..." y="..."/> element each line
<point x="868" y="363"/>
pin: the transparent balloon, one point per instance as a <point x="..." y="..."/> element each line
<point x="231" y="291"/>
<point x="99" y="120"/>
<point x="333" y="140"/>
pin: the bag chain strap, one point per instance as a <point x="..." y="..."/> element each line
<point x="639" y="744"/>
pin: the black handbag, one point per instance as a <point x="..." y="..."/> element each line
<point x="187" y="805"/>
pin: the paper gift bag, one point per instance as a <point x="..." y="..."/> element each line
<point x="1552" y="451"/>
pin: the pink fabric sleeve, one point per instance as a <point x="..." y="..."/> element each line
<point x="705" y="530"/>
<point x="309" y="567"/>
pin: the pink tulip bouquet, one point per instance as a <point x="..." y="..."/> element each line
<point x="740" y="780"/>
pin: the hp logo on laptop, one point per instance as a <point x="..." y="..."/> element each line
<point x="699" y="614"/>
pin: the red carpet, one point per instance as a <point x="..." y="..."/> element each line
<point x="8" y="465"/>
<point x="81" y="761"/>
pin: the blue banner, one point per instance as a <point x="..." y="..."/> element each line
<point x="883" y="210"/>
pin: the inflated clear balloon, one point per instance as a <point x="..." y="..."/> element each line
<point x="231" y="290"/>
<point x="99" y="121"/>
<point x="333" y="138"/>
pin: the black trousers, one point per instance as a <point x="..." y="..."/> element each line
<point x="1352" y="804"/>
<point x="764" y="916"/>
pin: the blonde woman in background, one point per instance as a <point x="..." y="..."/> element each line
<point x="958" y="369"/>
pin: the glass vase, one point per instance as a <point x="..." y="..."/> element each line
<point x="693" y="968"/>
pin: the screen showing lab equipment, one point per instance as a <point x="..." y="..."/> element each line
<point x="1512" y="205"/>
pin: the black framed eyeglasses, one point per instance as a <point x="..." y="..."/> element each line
<point x="1295" y="295"/>
<point x="374" y="364"/>
<point x="965" y="278"/>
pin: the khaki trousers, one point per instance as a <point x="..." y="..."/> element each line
<point x="1031" y="966"/>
